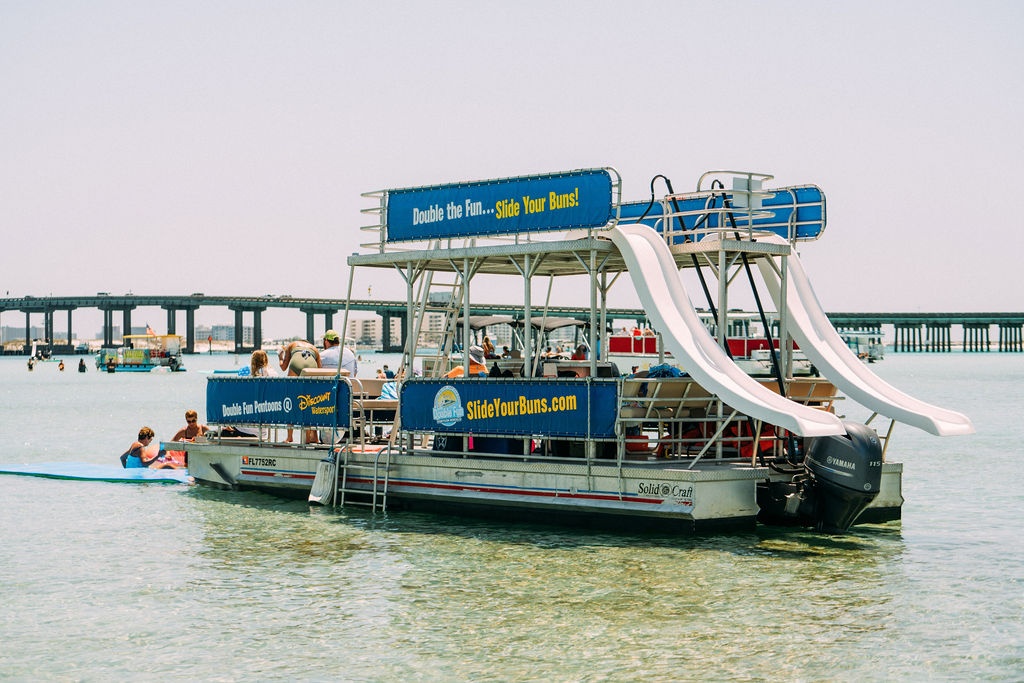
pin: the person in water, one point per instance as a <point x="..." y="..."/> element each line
<point x="134" y="457"/>
<point x="192" y="428"/>
<point x="298" y="355"/>
<point x="81" y="365"/>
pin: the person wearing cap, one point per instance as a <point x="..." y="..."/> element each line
<point x="333" y="353"/>
<point x="476" y="364"/>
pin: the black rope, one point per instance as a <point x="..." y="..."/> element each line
<point x="794" y="446"/>
<point x="693" y="257"/>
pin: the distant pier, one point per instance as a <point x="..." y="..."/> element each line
<point x="933" y="332"/>
<point x="911" y="332"/>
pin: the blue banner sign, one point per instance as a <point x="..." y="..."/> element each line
<point x="510" y="407"/>
<point x="559" y="201"/>
<point x="300" y="401"/>
<point x="791" y="212"/>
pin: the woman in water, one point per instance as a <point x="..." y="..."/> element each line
<point x="135" y="455"/>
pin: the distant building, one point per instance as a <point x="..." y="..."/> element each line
<point x="12" y="332"/>
<point x="370" y="331"/>
<point x="227" y="333"/>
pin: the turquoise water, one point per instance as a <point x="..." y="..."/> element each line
<point x="106" y="581"/>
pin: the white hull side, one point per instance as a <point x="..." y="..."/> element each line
<point x="654" y="489"/>
<point x="640" y="494"/>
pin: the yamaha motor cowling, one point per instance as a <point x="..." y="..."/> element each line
<point x="841" y="476"/>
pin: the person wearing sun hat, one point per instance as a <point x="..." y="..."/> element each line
<point x="476" y="364"/>
<point x="333" y="353"/>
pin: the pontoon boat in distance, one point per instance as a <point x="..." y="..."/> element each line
<point x="143" y="353"/>
<point x="582" y="444"/>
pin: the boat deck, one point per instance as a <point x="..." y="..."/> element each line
<point x="549" y="257"/>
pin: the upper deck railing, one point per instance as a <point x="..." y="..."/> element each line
<point x="745" y="210"/>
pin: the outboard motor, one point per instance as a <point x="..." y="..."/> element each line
<point x="848" y="474"/>
<point x="842" y="476"/>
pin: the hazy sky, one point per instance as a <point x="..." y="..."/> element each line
<point x="222" y="146"/>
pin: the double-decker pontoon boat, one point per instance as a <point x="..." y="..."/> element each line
<point x="708" y="447"/>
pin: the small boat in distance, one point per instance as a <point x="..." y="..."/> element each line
<point x="143" y="353"/>
<point x="868" y="346"/>
<point x="748" y="351"/>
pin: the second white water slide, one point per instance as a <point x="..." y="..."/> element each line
<point x="821" y="343"/>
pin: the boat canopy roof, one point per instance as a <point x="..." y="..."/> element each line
<point x="478" y="322"/>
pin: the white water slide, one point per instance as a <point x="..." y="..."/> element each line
<point x="821" y="343"/>
<point x="664" y="298"/>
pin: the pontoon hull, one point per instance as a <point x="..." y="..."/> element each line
<point x="652" y="495"/>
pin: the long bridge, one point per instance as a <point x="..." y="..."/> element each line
<point x="914" y="332"/>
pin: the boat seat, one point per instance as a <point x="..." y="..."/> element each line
<point x="376" y="404"/>
<point x="811" y="391"/>
<point x="369" y="388"/>
<point x="656" y="399"/>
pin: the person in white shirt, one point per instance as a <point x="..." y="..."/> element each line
<point x="333" y="353"/>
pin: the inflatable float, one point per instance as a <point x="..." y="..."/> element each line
<point x="161" y="460"/>
<point x="84" y="471"/>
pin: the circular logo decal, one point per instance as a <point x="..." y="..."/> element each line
<point x="447" y="406"/>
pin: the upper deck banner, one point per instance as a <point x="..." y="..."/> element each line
<point x="510" y="407"/>
<point x="796" y="212"/>
<point x="559" y="201"/>
<point x="300" y="401"/>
